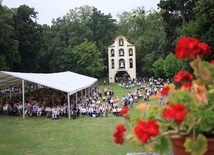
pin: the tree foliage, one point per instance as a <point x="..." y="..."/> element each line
<point x="28" y="34"/>
<point x="85" y="58"/>
<point x="158" y="68"/>
<point x="176" y="13"/>
<point x="8" y="44"/>
<point x="172" y="65"/>
<point x="77" y="25"/>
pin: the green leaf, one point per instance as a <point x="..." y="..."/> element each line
<point x="162" y="145"/>
<point x="197" y="147"/>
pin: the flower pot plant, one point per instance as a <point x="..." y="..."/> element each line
<point x="188" y="112"/>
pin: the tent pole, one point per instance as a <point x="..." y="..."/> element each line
<point x="10" y="91"/>
<point x="89" y="91"/>
<point x="23" y="98"/>
<point x="69" y="107"/>
<point x="76" y="98"/>
<point x="81" y="95"/>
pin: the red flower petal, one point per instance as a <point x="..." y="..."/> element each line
<point x="165" y="91"/>
<point x="205" y="49"/>
<point x="184" y="47"/>
<point x="183" y="76"/>
<point x="144" y="130"/>
<point x="119" y="134"/>
<point x="176" y="112"/>
<point x="124" y="110"/>
<point x="186" y="86"/>
<point x="188" y="47"/>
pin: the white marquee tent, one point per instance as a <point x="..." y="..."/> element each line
<point x="68" y="82"/>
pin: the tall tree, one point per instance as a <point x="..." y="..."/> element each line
<point x="72" y="29"/>
<point x="205" y="8"/>
<point x="86" y="58"/>
<point x="103" y="28"/>
<point x="80" y="14"/>
<point x="66" y="34"/>
<point x="126" y="23"/>
<point x="45" y="56"/>
<point x="8" y="45"/>
<point x="28" y="33"/>
<point x="176" y="13"/>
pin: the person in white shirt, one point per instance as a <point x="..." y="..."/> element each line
<point x="90" y="111"/>
<point x="131" y="101"/>
<point x="114" y="110"/>
<point x="48" y="111"/>
<point x="39" y="111"/>
<point x="54" y="113"/>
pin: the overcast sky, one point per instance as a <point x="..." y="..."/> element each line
<point x="52" y="9"/>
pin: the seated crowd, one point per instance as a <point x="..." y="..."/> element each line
<point x="53" y="104"/>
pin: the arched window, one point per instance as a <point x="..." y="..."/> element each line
<point x="112" y="63"/>
<point x="112" y="52"/>
<point x="121" y="52"/>
<point x="130" y="63"/>
<point x="121" y="63"/>
<point x="130" y="52"/>
<point x="120" y="42"/>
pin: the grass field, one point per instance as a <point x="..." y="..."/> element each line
<point x="44" y="136"/>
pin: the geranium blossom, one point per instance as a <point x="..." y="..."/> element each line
<point x="119" y="134"/>
<point x="176" y="112"/>
<point x="188" y="47"/>
<point x="183" y="76"/>
<point x="165" y="91"/>
<point x="204" y="49"/>
<point x="124" y="110"/>
<point x="144" y="130"/>
<point x="186" y="86"/>
<point x="185" y="46"/>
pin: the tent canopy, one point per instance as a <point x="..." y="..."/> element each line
<point x="68" y="82"/>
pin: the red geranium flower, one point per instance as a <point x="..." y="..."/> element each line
<point x="183" y="76"/>
<point x="176" y="112"/>
<point x="144" y="130"/>
<point x="184" y="47"/>
<point x="124" y="110"/>
<point x="204" y="49"/>
<point x="165" y="91"/>
<point x="212" y="62"/>
<point x="119" y="134"/>
<point x="188" y="47"/>
<point x="186" y="86"/>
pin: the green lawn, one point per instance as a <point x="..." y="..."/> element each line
<point x="44" y="136"/>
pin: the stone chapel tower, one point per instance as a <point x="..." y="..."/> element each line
<point x="121" y="58"/>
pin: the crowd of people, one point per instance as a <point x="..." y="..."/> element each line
<point x="54" y="104"/>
